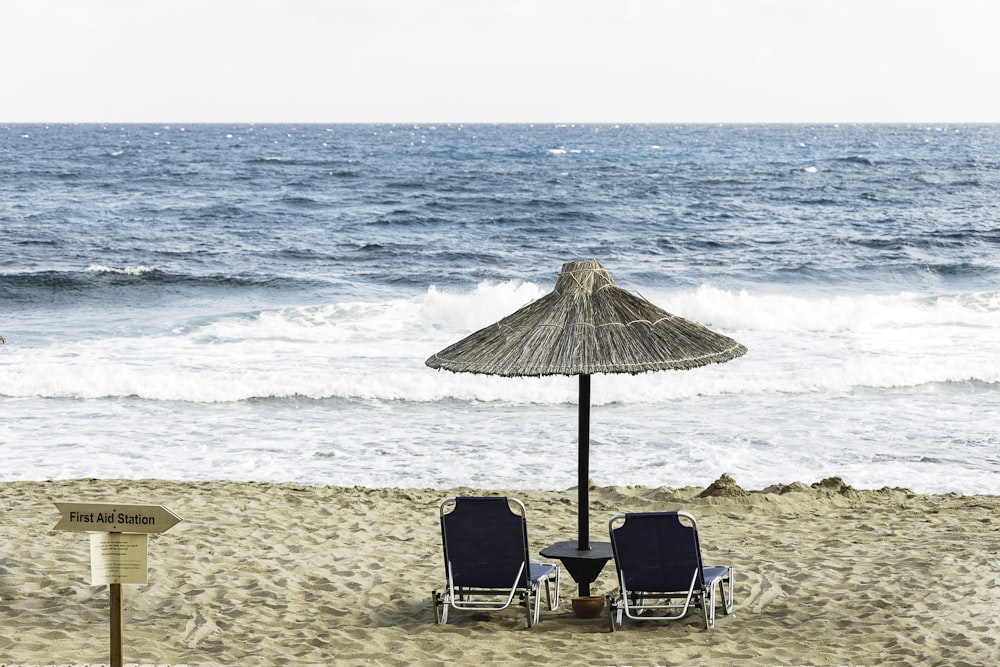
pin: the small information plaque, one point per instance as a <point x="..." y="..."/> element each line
<point x="117" y="558"/>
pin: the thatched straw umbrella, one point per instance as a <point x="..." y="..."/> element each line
<point x="586" y="325"/>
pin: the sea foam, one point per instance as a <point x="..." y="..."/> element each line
<point x="797" y="344"/>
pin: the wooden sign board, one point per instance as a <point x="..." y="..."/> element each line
<point x="115" y="518"/>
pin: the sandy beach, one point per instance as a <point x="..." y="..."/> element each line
<point x="282" y="574"/>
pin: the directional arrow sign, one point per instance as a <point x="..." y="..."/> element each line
<point x="115" y="518"/>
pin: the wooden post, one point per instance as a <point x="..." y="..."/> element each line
<point x="583" y="472"/>
<point x="583" y="475"/>
<point x="116" y="625"/>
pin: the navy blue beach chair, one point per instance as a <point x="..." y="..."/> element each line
<point x="660" y="571"/>
<point x="486" y="559"/>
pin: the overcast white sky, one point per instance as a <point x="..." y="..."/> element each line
<point x="500" y="60"/>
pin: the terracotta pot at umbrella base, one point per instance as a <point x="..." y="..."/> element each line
<point x="589" y="606"/>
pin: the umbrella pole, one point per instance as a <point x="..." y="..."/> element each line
<point x="583" y="467"/>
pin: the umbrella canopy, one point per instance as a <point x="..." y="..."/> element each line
<point x="586" y="325"/>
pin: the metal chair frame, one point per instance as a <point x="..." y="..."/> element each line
<point x="637" y="604"/>
<point x="525" y="585"/>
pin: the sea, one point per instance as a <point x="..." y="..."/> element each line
<point x="257" y="301"/>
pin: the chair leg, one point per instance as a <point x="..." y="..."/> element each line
<point x="553" y="601"/>
<point x="614" y="613"/>
<point x="727" y="593"/>
<point x="440" y="602"/>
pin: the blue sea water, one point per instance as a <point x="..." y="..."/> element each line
<point x="256" y="302"/>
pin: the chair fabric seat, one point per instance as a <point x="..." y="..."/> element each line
<point x="712" y="573"/>
<point x="541" y="570"/>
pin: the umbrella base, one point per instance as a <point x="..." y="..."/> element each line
<point x="584" y="565"/>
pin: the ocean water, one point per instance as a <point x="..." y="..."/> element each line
<point x="256" y="302"/>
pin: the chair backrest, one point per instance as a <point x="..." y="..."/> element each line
<point x="655" y="551"/>
<point x="485" y="541"/>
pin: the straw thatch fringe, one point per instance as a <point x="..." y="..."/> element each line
<point x="587" y="325"/>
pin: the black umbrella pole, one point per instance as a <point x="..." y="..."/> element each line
<point x="583" y="490"/>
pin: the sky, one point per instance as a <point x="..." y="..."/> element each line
<point x="469" y="61"/>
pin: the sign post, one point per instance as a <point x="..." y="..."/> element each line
<point x="118" y="540"/>
<point x="117" y="638"/>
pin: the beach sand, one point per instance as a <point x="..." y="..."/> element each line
<point x="282" y="574"/>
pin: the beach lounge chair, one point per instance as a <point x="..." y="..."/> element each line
<point x="486" y="559"/>
<point x="659" y="568"/>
